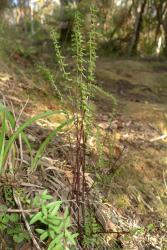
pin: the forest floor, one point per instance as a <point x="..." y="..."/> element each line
<point x="136" y="187"/>
<point x="141" y="91"/>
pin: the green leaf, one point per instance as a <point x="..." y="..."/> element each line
<point x="36" y="201"/>
<point x="45" y="192"/>
<point x="55" y="208"/>
<point x="9" y="115"/>
<point x="2" y="142"/>
<point x="18" y="238"/>
<point x="150" y="227"/>
<point x="2" y="227"/>
<point x="40" y="231"/>
<point x="25" y="139"/>
<point x="52" y="226"/>
<point x="54" y="204"/>
<point x="5" y="219"/>
<point x="45" y="196"/>
<point x="44" y="236"/>
<point x="59" y="228"/>
<point x="45" y="143"/>
<point x="12" y="231"/>
<point x="56" y="242"/>
<point x="75" y="235"/>
<point x="35" y="218"/>
<point x="53" y="220"/>
<point x="14" y="218"/>
<point x="25" y="125"/>
<point x="52" y="234"/>
<point x="70" y="237"/>
<point x="44" y="210"/>
<point x="58" y="247"/>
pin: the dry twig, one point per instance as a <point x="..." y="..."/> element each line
<point x="18" y="202"/>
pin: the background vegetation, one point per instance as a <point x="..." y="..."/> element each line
<point x="125" y="27"/>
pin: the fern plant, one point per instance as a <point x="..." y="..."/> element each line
<point x="92" y="237"/>
<point x="80" y="83"/>
<point x="79" y="86"/>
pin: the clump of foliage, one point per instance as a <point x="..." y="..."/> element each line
<point x="76" y="81"/>
<point x="79" y="83"/>
<point x="10" y="224"/>
<point x="12" y="136"/>
<point x="10" y="132"/>
<point x="55" y="225"/>
<point x="92" y="238"/>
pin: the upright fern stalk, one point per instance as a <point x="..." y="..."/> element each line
<point x="84" y="78"/>
<point x="85" y="67"/>
<point x="79" y="167"/>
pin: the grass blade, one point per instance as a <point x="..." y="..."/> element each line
<point x="2" y="141"/>
<point x="9" y="115"/>
<point x="21" y="128"/>
<point x="26" y="141"/>
<point x="46" y="141"/>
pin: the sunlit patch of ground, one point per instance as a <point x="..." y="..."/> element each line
<point x="141" y="91"/>
<point x="25" y="90"/>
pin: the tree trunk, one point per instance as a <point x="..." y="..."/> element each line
<point x="138" y="26"/>
<point x="32" y="16"/>
<point x="66" y="24"/>
<point x="165" y="35"/>
<point x="164" y="24"/>
<point x="159" y="6"/>
<point x="21" y="14"/>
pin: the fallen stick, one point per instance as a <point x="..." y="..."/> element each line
<point x="27" y="211"/>
<point x="18" y="202"/>
<point x="158" y="138"/>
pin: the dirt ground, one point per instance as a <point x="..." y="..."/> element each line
<point x="141" y="91"/>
